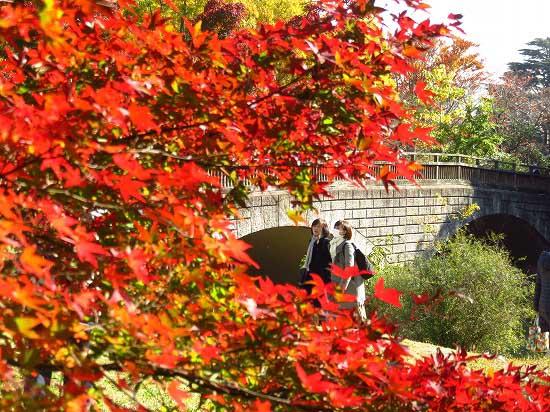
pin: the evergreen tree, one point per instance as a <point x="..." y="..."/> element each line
<point x="537" y="63"/>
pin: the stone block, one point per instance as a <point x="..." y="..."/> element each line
<point x="410" y="247"/>
<point x="255" y="201"/>
<point x="244" y="227"/>
<point x="412" y="210"/>
<point x="379" y="203"/>
<point x="269" y="199"/>
<point x="245" y="212"/>
<point x="374" y="212"/>
<point x="392" y="259"/>
<point x="379" y="221"/>
<point x="366" y="203"/>
<point x="424" y="211"/>
<point x="359" y="214"/>
<point x="345" y="194"/>
<point x="338" y="205"/>
<point x="400" y="211"/>
<point x="373" y="232"/>
<point x="398" y="230"/>
<point x="399" y="248"/>
<point x="385" y="231"/>
<point x="392" y="221"/>
<point x="359" y="194"/>
<point x="353" y="222"/>
<point x="414" y="237"/>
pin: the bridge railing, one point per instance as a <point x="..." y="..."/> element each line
<point x="480" y="162"/>
<point x="481" y="171"/>
<point x="457" y="167"/>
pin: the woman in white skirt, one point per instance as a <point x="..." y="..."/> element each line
<point x="342" y="253"/>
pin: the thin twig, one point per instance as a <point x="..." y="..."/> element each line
<point x="54" y="191"/>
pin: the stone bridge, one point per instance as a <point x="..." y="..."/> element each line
<point x="513" y="200"/>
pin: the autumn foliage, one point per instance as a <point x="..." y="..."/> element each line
<point x="116" y="252"/>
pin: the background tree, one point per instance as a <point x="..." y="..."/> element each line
<point x="225" y="15"/>
<point x="448" y="63"/>
<point x="454" y="75"/>
<point x="523" y="101"/>
<point x="522" y="118"/>
<point x="469" y="129"/>
<point x="536" y="64"/>
<point x="116" y="253"/>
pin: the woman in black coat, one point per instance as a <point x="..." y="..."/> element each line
<point x="542" y="291"/>
<point x="318" y="258"/>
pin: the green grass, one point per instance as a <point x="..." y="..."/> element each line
<point x="421" y="349"/>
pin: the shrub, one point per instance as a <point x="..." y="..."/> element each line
<point x="475" y="297"/>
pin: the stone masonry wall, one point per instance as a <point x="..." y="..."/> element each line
<point x="410" y="218"/>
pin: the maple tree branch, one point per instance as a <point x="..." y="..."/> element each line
<point x="95" y="203"/>
<point x="234" y="389"/>
<point x="20" y="166"/>
<point x="163" y="130"/>
<point x="281" y="88"/>
<point x="126" y="392"/>
<point x="226" y="387"/>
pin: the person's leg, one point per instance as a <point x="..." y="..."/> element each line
<point x="361" y="297"/>
<point x="544" y="324"/>
<point x="544" y="321"/>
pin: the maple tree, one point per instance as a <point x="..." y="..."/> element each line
<point x="522" y="117"/>
<point x="116" y="252"/>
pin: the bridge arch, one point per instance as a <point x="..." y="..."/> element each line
<point x="521" y="238"/>
<point x="278" y="251"/>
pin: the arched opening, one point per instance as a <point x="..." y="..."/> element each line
<point x="278" y="252"/>
<point x="523" y="241"/>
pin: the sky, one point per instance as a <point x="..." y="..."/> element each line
<point x="500" y="27"/>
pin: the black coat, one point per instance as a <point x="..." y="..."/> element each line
<point x="541" y="299"/>
<point x="320" y="259"/>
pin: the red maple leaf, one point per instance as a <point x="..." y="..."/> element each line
<point x="387" y="295"/>
<point x="142" y="118"/>
<point x="425" y="95"/>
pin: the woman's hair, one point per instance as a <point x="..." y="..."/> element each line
<point x="324" y="226"/>
<point x="347" y="228"/>
<point x="337" y="224"/>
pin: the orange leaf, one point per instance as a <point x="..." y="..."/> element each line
<point x="25" y="326"/>
<point x="34" y="263"/>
